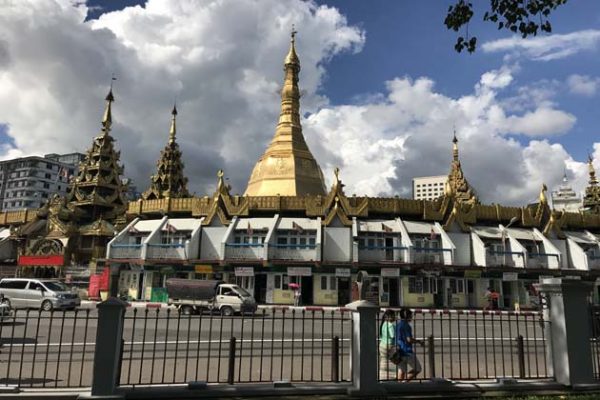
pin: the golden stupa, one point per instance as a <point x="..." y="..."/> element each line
<point x="287" y="168"/>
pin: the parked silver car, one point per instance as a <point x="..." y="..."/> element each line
<point x="38" y="293"/>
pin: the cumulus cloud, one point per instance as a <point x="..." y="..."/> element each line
<point x="406" y="132"/>
<point x="546" y="48"/>
<point x="583" y="84"/>
<point x="221" y="60"/>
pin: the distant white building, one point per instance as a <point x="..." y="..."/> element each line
<point x="565" y="198"/>
<point x="429" y="187"/>
<point x="28" y="182"/>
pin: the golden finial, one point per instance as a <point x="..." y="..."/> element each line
<point x="543" y="198"/>
<point x="455" y="147"/>
<point x="173" y="129"/>
<point x="107" y="117"/>
<point x="592" y="171"/>
<point x="292" y="58"/>
<point x="336" y="173"/>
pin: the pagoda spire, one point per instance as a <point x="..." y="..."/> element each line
<point x="107" y="117"/>
<point x="173" y="129"/>
<point x="98" y="191"/>
<point x="457" y="185"/>
<point x="169" y="180"/>
<point x="287" y="167"/>
<point x="591" y="199"/>
<point x="592" y="172"/>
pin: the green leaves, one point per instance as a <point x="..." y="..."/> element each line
<point x="526" y="17"/>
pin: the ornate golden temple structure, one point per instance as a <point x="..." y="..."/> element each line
<point x="288" y="227"/>
<point x="287" y="168"/>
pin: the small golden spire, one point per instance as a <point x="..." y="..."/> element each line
<point x="543" y="198"/>
<point x="107" y="117"/>
<point x="592" y="171"/>
<point x="455" y="147"/>
<point x="292" y="58"/>
<point x="173" y="130"/>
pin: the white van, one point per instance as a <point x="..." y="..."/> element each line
<point x="38" y="293"/>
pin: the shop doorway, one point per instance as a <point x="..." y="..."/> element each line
<point x="260" y="288"/>
<point x="471" y="297"/>
<point x="394" y="292"/>
<point x="507" y="294"/>
<point x="306" y="290"/>
<point x="438" y="295"/>
<point x="389" y="249"/>
<point x="343" y="291"/>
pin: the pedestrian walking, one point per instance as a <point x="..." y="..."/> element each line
<point x="488" y="297"/>
<point x="409" y="366"/>
<point x="297" y="297"/>
<point x="387" y="346"/>
<point x="495" y="299"/>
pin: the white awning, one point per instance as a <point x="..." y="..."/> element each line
<point x="419" y="228"/>
<point x="487" y="232"/>
<point x="580" y="237"/>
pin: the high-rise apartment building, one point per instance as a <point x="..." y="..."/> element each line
<point x="429" y="187"/>
<point x="27" y="182"/>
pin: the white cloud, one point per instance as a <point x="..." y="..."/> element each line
<point x="583" y="84"/>
<point x="406" y="132"/>
<point x="546" y="48"/>
<point x="222" y="60"/>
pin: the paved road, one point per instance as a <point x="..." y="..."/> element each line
<point x="163" y="347"/>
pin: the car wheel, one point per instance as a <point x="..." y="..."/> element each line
<point x="186" y="310"/>
<point x="227" y="311"/>
<point x="47" y="305"/>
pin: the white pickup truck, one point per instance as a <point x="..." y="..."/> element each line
<point x="192" y="296"/>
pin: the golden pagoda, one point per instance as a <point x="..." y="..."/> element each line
<point x="168" y="182"/>
<point x="457" y="185"/>
<point x="98" y="190"/>
<point x="591" y="200"/>
<point x="287" y="167"/>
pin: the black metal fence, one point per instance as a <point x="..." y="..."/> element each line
<point x="51" y="349"/>
<point x="275" y="344"/>
<point x="473" y="345"/>
<point x="595" y="339"/>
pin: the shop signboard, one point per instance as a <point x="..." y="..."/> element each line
<point x="299" y="271"/>
<point x="390" y="272"/>
<point x="510" y="277"/>
<point x="203" y="269"/>
<point x="472" y="274"/>
<point x="342" y="272"/>
<point x="244" y="271"/>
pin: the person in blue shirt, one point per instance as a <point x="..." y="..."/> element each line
<point x="409" y="366"/>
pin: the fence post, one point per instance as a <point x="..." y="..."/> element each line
<point x="431" y="356"/>
<point x="363" y="359"/>
<point x="335" y="359"/>
<point x="231" y="365"/>
<point x="107" y="352"/>
<point x="568" y="301"/>
<point x="521" y="356"/>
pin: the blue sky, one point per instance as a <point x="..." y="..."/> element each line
<point x="384" y="88"/>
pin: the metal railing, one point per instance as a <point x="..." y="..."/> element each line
<point x="426" y="255"/>
<point x="44" y="349"/>
<point x="383" y="253"/>
<point x="244" y="251"/>
<point x="128" y="251"/>
<point x="276" y="344"/>
<point x="475" y="345"/>
<point x="159" y="251"/>
<point x="299" y="252"/>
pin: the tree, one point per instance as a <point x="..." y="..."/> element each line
<point x="527" y="17"/>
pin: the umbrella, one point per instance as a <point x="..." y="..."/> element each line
<point x="294" y="286"/>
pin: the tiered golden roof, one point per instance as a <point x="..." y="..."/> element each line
<point x="287" y="168"/>
<point x="97" y="190"/>
<point x="457" y="185"/>
<point x="169" y="180"/>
